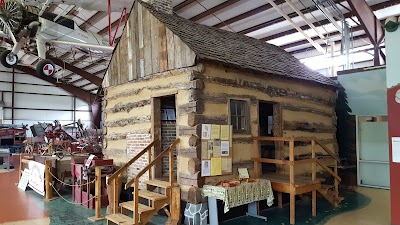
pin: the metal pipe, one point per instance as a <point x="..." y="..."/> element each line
<point x="12" y="97"/>
<point x="100" y="47"/>
<point x="304" y="18"/>
<point x="284" y="15"/>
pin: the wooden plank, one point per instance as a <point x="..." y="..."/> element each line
<point x="336" y="184"/>
<point x="97" y="191"/>
<point x="304" y="161"/>
<point x="135" y="43"/>
<point x="123" y="59"/>
<point x="147" y="41"/>
<point x="183" y="53"/>
<point x="280" y="187"/>
<point x="158" y="183"/>
<point x="256" y="154"/>
<point x="307" y="189"/>
<point x="156" y="132"/>
<point x="177" y="52"/>
<point x="48" y="180"/>
<point x="163" y="47"/>
<point x="292" y="184"/>
<point x="272" y="138"/>
<point x="155" y="53"/>
<point x="314" y="176"/>
<point x="278" y="132"/>
<point x="151" y="195"/>
<point x="280" y="204"/>
<point x="273" y="161"/>
<point x="170" y="49"/>
<point x="175" y="205"/>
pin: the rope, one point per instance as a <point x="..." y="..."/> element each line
<point x="71" y="185"/>
<point x="74" y="203"/>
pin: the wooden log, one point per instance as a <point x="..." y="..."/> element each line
<point x="187" y="131"/>
<point x="190" y="152"/>
<point x="191" y="107"/>
<point x="127" y="107"/>
<point x="195" y="119"/>
<point x="197" y="84"/>
<point x="300" y="108"/>
<point x="309" y="127"/>
<point x="128" y="121"/>
<point x="194" y="196"/>
<point x="194" y="140"/>
<point x="194" y="165"/>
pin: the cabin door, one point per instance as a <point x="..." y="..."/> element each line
<point x="266" y="128"/>
<point x="164" y="128"/>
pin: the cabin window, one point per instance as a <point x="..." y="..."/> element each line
<point x="239" y="116"/>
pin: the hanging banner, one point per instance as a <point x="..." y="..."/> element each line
<point x="36" y="178"/>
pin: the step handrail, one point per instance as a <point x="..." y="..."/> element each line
<point x="326" y="149"/>
<point x="319" y="162"/>
<point x="154" y="161"/>
<point x="135" y="180"/>
<point x="125" y="167"/>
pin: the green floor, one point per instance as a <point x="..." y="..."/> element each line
<point x="64" y="213"/>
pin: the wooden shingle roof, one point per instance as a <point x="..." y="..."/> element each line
<point x="238" y="50"/>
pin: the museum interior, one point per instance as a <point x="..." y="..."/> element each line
<point x="199" y="112"/>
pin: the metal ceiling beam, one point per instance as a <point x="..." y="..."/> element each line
<point x="113" y="25"/>
<point x="368" y="20"/>
<point x="325" y="22"/>
<point x="100" y="72"/>
<point x="183" y="5"/>
<point x="78" y="80"/>
<point x="88" y="76"/>
<point x="303" y="42"/>
<point x="214" y="10"/>
<point x="79" y="93"/>
<point x="247" y="14"/>
<point x="92" y="20"/>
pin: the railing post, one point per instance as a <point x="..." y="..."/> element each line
<point x="336" y="182"/>
<point x="292" y="187"/>
<point x="313" y="169"/>
<point x="97" y="190"/>
<point x="115" y="194"/>
<point x="171" y="166"/>
<point x="149" y="161"/>
<point x="256" y="155"/>
<point x="136" y="201"/>
<point x="48" y="180"/>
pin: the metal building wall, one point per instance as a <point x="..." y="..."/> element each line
<point x="35" y="100"/>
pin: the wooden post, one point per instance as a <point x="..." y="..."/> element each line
<point x="116" y="197"/>
<point x="48" y="180"/>
<point x="280" y="200"/>
<point x="176" y="204"/>
<point x="20" y="165"/>
<point x="171" y="167"/>
<point x="336" y="184"/>
<point x="149" y="161"/>
<point x="314" y="174"/>
<point x="97" y="190"/>
<point x="292" y="187"/>
<point x="256" y="154"/>
<point x="136" y="202"/>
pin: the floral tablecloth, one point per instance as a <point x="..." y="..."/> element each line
<point x="242" y="194"/>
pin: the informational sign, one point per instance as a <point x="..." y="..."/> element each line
<point x="89" y="160"/>
<point x="205" y="168"/>
<point x="206" y="131"/>
<point x="396" y="149"/>
<point x="216" y="166"/>
<point x="36" y="179"/>
<point x="224" y="148"/>
<point x="23" y="182"/>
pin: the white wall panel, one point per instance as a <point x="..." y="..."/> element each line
<point x="40" y="89"/>
<point x="43" y="101"/>
<point x="81" y="105"/>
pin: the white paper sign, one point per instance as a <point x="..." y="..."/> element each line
<point x="36" y="179"/>
<point x="171" y="114"/>
<point x="23" y="182"/>
<point x="206" y="131"/>
<point x="396" y="149"/>
<point x="89" y="160"/>
<point x="224" y="148"/>
<point x="205" y="168"/>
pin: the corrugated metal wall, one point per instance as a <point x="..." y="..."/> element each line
<point x="36" y="100"/>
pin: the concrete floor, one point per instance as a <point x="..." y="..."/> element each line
<point x="366" y="207"/>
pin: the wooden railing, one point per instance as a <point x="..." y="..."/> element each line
<point x="292" y="162"/>
<point x="114" y="178"/>
<point x="135" y="180"/>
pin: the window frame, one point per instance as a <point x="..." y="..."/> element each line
<point x="247" y="129"/>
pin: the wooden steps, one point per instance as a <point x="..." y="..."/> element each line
<point x="158" y="183"/>
<point x="131" y="207"/>
<point x="330" y="196"/>
<point x="120" y="219"/>
<point x="153" y="196"/>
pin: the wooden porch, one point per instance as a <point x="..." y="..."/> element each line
<point x="295" y="184"/>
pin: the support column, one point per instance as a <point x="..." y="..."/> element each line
<point x="393" y="90"/>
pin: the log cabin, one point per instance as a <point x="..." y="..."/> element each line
<point x="208" y="76"/>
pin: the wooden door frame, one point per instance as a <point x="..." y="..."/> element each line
<point x="156" y="133"/>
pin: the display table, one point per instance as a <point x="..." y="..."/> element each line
<point x="242" y="194"/>
<point x="5" y="152"/>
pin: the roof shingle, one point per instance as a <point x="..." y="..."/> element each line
<point x="237" y="49"/>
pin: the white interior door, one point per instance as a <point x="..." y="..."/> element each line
<point x="373" y="152"/>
